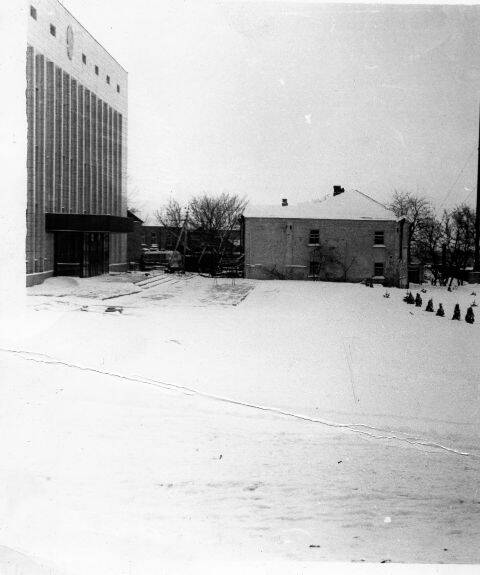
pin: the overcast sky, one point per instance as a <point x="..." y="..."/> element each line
<point x="274" y="100"/>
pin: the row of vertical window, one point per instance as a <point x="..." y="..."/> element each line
<point x="53" y="32"/>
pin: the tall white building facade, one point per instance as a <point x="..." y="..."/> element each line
<point x="77" y="149"/>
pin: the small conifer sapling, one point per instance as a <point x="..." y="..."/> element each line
<point x="456" y="312"/>
<point x="470" y="316"/>
<point x="410" y="299"/>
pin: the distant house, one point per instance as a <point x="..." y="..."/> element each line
<point x="148" y="237"/>
<point x="347" y="237"/>
<point x="159" y="237"/>
<point x="196" y="245"/>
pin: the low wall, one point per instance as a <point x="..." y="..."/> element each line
<point x="38" y="278"/>
<point x="122" y="267"/>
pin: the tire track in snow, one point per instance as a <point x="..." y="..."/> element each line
<point x="366" y="430"/>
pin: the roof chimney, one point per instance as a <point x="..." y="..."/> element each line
<point x="284" y="202"/>
<point x="338" y="190"/>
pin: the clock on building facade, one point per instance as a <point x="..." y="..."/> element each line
<point x="70" y="42"/>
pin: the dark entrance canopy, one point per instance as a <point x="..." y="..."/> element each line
<point x="87" y="223"/>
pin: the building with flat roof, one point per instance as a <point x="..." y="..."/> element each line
<point x="77" y="149"/>
<point x="347" y="237"/>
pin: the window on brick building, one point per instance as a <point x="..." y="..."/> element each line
<point x="84" y="59"/>
<point x="314" y="237"/>
<point x="378" y="269"/>
<point x="153" y="238"/>
<point x="96" y="70"/>
<point x="118" y="88"/>
<point x="379" y="238"/>
<point x="108" y="79"/>
<point x="33" y="12"/>
<point x="53" y="30"/>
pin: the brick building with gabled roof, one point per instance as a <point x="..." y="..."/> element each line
<point x="347" y="237"/>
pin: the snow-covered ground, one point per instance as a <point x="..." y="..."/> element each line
<point x="198" y="419"/>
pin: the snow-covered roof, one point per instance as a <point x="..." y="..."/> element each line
<point x="350" y="205"/>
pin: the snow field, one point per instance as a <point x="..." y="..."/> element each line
<point x="104" y="476"/>
<point x="112" y="475"/>
<point x="340" y="352"/>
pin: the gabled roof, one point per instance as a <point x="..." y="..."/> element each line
<point x="133" y="216"/>
<point x="351" y="205"/>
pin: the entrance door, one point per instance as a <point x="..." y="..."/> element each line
<point x="68" y="250"/>
<point x="94" y="253"/>
<point x="97" y="253"/>
<point x="81" y="254"/>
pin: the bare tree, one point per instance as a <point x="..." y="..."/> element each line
<point x="428" y="245"/>
<point x="343" y="258"/>
<point x="172" y="217"/>
<point x="339" y="256"/>
<point x="214" y="218"/>
<point x="445" y="244"/>
<point x="415" y="208"/>
<point x="459" y="241"/>
<point x="216" y="214"/>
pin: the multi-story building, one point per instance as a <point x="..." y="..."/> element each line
<point x="77" y="149"/>
<point x="347" y="237"/>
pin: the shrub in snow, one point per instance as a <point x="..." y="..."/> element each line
<point x="469" y="317"/>
<point x="418" y="300"/>
<point x="456" y="312"/>
<point x="429" y="305"/>
<point x="409" y="298"/>
<point x="440" y="310"/>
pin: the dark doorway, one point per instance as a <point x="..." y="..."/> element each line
<point x="81" y="254"/>
<point x="96" y="254"/>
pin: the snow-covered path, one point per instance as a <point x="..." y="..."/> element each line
<point x="109" y="470"/>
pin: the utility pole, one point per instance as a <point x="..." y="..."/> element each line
<point x="185" y="242"/>
<point x="476" y="265"/>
